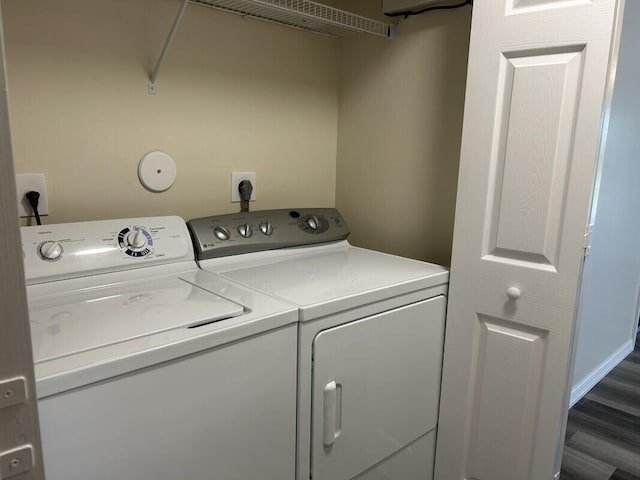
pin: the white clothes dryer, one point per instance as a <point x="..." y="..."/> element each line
<point x="149" y="368"/>
<point x="370" y="337"/>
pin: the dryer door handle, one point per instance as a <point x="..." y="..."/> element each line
<point x="332" y="413"/>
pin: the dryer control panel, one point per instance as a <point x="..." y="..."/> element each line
<point x="245" y="232"/>
<point x="69" y="250"/>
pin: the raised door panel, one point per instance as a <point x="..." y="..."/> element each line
<point x="539" y="92"/>
<point x="509" y="369"/>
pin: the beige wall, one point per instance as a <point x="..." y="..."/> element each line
<point x="234" y="95"/>
<point x="400" y="125"/>
<point x="370" y="125"/>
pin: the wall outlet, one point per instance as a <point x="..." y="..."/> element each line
<point x="236" y="178"/>
<point x="31" y="181"/>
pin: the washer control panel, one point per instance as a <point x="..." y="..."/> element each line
<point x="245" y="232"/>
<point x="69" y="250"/>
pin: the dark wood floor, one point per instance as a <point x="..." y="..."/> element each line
<point x="603" y="433"/>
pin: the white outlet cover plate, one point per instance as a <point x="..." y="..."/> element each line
<point x="236" y="178"/>
<point x="157" y="171"/>
<point x="26" y="182"/>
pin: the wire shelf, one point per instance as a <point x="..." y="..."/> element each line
<point x="302" y="14"/>
<point x="306" y="15"/>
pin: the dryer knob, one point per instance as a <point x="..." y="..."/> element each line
<point x="266" y="228"/>
<point x="221" y="233"/>
<point x="136" y="239"/>
<point x="50" y="250"/>
<point x="245" y="230"/>
<point x="312" y="222"/>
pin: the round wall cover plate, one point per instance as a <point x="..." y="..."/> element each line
<point x="157" y="171"/>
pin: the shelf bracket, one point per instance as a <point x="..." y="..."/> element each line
<point x="153" y="89"/>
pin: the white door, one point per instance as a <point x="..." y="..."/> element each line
<point x="19" y="435"/>
<point x="375" y="391"/>
<point x="536" y="84"/>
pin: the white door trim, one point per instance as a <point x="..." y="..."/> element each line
<point x="19" y="431"/>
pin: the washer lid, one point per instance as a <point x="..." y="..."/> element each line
<point x="91" y="318"/>
<point x="328" y="279"/>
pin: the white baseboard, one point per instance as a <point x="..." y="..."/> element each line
<point x="598" y="373"/>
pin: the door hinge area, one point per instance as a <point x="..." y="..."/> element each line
<point x="587" y="239"/>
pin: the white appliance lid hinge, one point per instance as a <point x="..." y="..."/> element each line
<point x="587" y="239"/>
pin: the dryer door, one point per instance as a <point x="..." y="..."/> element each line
<point x="376" y="387"/>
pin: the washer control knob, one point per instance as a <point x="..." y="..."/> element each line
<point x="312" y="222"/>
<point x="245" y="230"/>
<point x="50" y="250"/>
<point x="136" y="239"/>
<point x="266" y="228"/>
<point x="221" y="233"/>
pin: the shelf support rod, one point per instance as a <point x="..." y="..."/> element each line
<point x="154" y="75"/>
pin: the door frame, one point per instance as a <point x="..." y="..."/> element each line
<point x="19" y="428"/>
<point x="593" y="204"/>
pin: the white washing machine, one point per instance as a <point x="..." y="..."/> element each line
<point x="370" y="337"/>
<point x="149" y="368"/>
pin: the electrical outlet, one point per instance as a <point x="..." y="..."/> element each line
<point x="236" y="178"/>
<point x="26" y="182"/>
